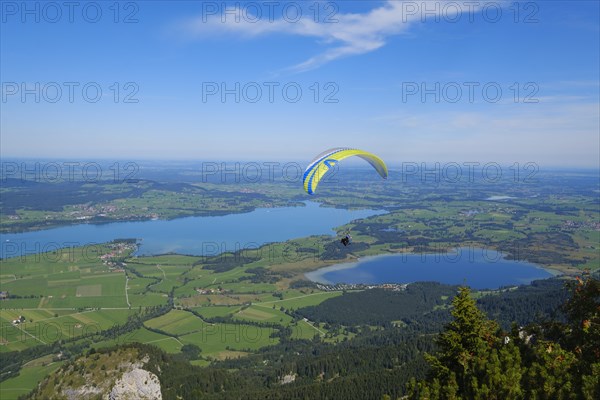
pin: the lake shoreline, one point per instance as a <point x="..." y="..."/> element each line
<point x="104" y="221"/>
<point x="199" y="236"/>
<point x="320" y="275"/>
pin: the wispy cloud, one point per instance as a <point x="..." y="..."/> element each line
<point x="352" y="34"/>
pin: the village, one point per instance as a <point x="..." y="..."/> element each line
<point x="395" y="287"/>
<point x="86" y="212"/>
<point x="119" y="250"/>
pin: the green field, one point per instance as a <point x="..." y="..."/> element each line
<point x="143" y="335"/>
<point x="216" y="338"/>
<point x="28" y="378"/>
<point x="78" y="295"/>
<point x="299" y="301"/>
<point x="63" y="295"/>
<point x="263" y="314"/>
<point x="42" y="326"/>
<point x="304" y="330"/>
<point x="216" y="311"/>
<point x="177" y="322"/>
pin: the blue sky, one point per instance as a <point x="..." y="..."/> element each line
<point x="411" y="81"/>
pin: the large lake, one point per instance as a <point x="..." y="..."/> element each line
<point x="478" y="268"/>
<point x="192" y="235"/>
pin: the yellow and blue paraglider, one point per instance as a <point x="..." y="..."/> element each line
<point x="328" y="159"/>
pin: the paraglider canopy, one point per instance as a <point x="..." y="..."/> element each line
<point x="326" y="160"/>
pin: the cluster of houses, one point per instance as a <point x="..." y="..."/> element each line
<point x="574" y="225"/>
<point x="91" y="211"/>
<point x="396" y="287"/>
<point x="211" y="291"/>
<point x="83" y="212"/>
<point x="118" y="249"/>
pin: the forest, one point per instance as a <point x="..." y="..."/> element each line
<point x="471" y="357"/>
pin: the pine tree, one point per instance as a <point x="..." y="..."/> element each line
<point x="583" y="312"/>
<point x="467" y="336"/>
<point x="472" y="362"/>
<point x="582" y="334"/>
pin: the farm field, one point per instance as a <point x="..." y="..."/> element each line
<point x="85" y="294"/>
<point x="233" y="305"/>
<point x="252" y="200"/>
<point x="29" y="377"/>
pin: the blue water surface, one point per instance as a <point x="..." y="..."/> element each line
<point x="192" y="235"/>
<point x="476" y="267"/>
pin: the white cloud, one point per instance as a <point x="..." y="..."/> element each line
<point x="352" y="34"/>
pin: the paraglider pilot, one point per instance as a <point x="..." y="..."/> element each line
<point x="346" y="240"/>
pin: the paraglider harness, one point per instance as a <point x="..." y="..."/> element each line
<point x="346" y="240"/>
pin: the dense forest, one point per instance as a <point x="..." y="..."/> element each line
<point x="424" y="303"/>
<point x="552" y="360"/>
<point x="472" y="357"/>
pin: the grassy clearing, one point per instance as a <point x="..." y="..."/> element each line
<point x="305" y="300"/>
<point x="262" y="314"/>
<point x="176" y="322"/>
<point x="216" y="311"/>
<point x="216" y="338"/>
<point x="143" y="335"/>
<point x="304" y="330"/>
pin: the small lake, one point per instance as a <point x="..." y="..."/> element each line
<point x="478" y="268"/>
<point x="192" y="235"/>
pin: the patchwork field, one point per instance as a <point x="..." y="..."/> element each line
<point x="67" y="296"/>
<point x="31" y="374"/>
<point x="239" y="308"/>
